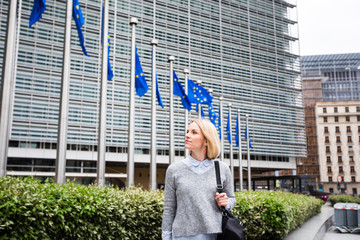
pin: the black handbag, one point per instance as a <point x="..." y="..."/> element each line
<point x="232" y="228"/>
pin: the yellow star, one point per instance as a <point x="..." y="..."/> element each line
<point x="136" y="76"/>
<point x="175" y="79"/>
<point x="77" y="7"/>
<point x="77" y="15"/>
<point x="194" y="95"/>
<point x="199" y="91"/>
<point x="141" y="74"/>
<point x="184" y="96"/>
<point x="109" y="36"/>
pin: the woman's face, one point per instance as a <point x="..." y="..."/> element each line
<point x="194" y="139"/>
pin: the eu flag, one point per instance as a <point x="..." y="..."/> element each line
<point x="158" y="96"/>
<point x="79" y="21"/>
<point x="212" y="114"/>
<point x="179" y="91"/>
<point x="36" y="13"/>
<point x="198" y="94"/>
<point x="140" y="82"/>
<point x="219" y="123"/>
<point x="250" y="145"/>
<point x="110" y="73"/>
<point x="228" y="128"/>
<point x="202" y="110"/>
<point x="237" y="131"/>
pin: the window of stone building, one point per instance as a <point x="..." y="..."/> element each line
<point x="349" y="139"/>
<point x="327" y="149"/>
<point x="348" y="129"/>
<point x="336" y="119"/>
<point x="346" y="109"/>
<point x="350" y="149"/>
<point x="328" y="159"/>
<point x="326" y="129"/>
<point x="351" y="158"/>
<point x="338" y="139"/>
<point x="358" y="118"/>
<point x="339" y="159"/>
<point x="325" y="119"/>
<point x="353" y="179"/>
<point x="347" y="118"/>
<point x="352" y="169"/>
<point x="358" y="128"/>
<point x="341" y="170"/>
<point x="337" y="129"/>
<point x="329" y="169"/>
<point x="327" y="139"/>
<point x="358" y="109"/>
<point x="339" y="149"/>
<point x="331" y="190"/>
<point x="330" y="179"/>
<point x="324" y="110"/>
<point x="335" y="109"/>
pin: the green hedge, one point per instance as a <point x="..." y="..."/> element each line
<point x="344" y="199"/>
<point x="30" y="209"/>
<point x="272" y="215"/>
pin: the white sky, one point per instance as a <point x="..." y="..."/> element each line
<point x="329" y="26"/>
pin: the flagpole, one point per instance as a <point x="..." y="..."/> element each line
<point x="64" y="101"/>
<point x="231" y="146"/>
<point x="199" y="105"/>
<point x="221" y="128"/>
<point x="248" y="152"/>
<point x="240" y="154"/>
<point x="152" y="186"/>
<point x="171" y="123"/>
<point x="7" y="85"/>
<point x="101" y="164"/>
<point x="131" y="130"/>
<point x="186" y="72"/>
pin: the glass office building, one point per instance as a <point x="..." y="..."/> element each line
<point x="246" y="51"/>
<point x="340" y="74"/>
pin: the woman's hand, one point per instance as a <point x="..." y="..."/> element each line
<point x="221" y="199"/>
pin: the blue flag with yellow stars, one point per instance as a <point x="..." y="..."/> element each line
<point x="228" y="130"/>
<point x="219" y="123"/>
<point x="140" y="82"/>
<point x="36" y="13"/>
<point x="212" y="114"/>
<point x="202" y="110"/>
<point x="79" y="21"/>
<point x="198" y="94"/>
<point x="245" y="136"/>
<point x="158" y="96"/>
<point x="179" y="91"/>
<point x="110" y="73"/>
<point x="237" y="131"/>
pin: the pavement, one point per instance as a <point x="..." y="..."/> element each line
<point x="317" y="228"/>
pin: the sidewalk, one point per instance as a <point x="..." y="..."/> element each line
<point x="316" y="227"/>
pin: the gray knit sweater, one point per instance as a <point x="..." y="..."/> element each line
<point x="190" y="207"/>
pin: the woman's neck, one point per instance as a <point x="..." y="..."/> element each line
<point x="199" y="156"/>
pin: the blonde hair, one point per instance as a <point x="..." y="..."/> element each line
<point x="211" y="136"/>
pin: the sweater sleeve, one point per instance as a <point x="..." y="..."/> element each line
<point x="228" y="187"/>
<point x="169" y="200"/>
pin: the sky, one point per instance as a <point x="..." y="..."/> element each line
<point x="328" y="26"/>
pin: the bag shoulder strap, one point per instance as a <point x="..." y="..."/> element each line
<point x="219" y="186"/>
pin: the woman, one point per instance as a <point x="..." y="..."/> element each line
<point x="191" y="205"/>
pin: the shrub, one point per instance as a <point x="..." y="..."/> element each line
<point x="272" y="215"/>
<point x="30" y="209"/>
<point x="343" y="198"/>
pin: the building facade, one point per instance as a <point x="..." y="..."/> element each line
<point x="338" y="136"/>
<point x="246" y="51"/>
<point x="340" y="73"/>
